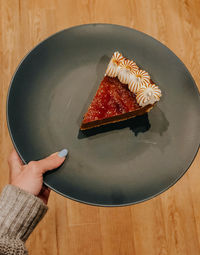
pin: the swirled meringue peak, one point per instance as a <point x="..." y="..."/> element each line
<point x="114" y="64"/>
<point x="149" y="94"/>
<point x="139" y="79"/>
<point x="126" y="69"/>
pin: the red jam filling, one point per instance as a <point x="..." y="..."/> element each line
<point x="112" y="98"/>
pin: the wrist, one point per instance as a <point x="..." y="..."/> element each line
<point x="20" y="212"/>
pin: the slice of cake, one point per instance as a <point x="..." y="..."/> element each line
<point x="125" y="92"/>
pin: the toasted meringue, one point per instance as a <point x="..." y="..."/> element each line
<point x="148" y="94"/>
<point x="127" y="68"/>
<point x="113" y="66"/>
<point x="139" y="79"/>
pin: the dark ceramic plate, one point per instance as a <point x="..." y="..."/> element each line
<point x="120" y="164"/>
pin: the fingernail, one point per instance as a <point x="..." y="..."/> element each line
<point x="63" y="153"/>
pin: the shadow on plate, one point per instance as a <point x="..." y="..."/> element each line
<point x="137" y="125"/>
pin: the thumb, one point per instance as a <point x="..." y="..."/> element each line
<point x="51" y="162"/>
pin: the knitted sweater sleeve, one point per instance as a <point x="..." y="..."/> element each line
<point x="20" y="212"/>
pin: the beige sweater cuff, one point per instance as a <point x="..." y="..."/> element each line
<point x="20" y="212"/>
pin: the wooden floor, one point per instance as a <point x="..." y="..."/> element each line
<point x="166" y="225"/>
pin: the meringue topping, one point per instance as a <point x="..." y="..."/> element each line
<point x="149" y="94"/>
<point x="139" y="79"/>
<point x="126" y="69"/>
<point x="113" y="66"/>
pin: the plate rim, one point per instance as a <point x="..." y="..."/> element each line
<point x="78" y="27"/>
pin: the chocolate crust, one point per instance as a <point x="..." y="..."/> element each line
<point x="117" y="118"/>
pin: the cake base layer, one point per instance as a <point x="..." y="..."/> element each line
<point x="117" y="118"/>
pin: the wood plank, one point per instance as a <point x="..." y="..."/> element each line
<point x="179" y="218"/>
<point x="117" y="231"/>
<point x="149" y="228"/>
<point x="85" y="239"/>
<point x="80" y="215"/>
<point x="9" y="53"/>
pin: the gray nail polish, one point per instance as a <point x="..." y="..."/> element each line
<point x="63" y="153"/>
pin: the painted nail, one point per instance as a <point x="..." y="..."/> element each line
<point x="63" y="153"/>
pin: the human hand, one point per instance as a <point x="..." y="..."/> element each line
<point x="30" y="177"/>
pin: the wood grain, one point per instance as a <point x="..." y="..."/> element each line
<point x="166" y="225"/>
